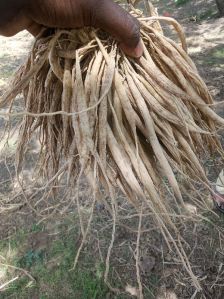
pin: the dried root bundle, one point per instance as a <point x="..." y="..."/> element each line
<point x="127" y="123"/>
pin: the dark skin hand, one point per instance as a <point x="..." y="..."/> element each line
<point x="33" y="15"/>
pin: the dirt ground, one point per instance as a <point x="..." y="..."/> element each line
<point x="45" y="244"/>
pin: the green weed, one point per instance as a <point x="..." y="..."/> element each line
<point x="181" y="2"/>
<point x="51" y="268"/>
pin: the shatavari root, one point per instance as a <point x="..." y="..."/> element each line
<point x="122" y="122"/>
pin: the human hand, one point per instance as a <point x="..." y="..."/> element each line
<point x="32" y="15"/>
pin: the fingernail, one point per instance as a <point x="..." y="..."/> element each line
<point x="138" y="51"/>
<point x="135" y="53"/>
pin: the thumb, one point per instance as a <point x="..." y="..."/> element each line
<point x="119" y="23"/>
